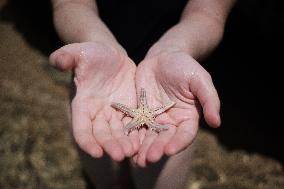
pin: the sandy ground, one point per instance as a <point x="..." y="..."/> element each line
<point x="36" y="149"/>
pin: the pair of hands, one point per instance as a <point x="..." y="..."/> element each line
<point x="104" y="75"/>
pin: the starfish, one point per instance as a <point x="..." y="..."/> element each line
<point x="143" y="115"/>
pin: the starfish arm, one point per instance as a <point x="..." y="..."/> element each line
<point x="143" y="98"/>
<point x="161" y="109"/>
<point x="157" y="127"/>
<point x="123" y="108"/>
<point x="133" y="124"/>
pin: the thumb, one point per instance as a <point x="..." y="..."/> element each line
<point x="202" y="87"/>
<point x="64" y="58"/>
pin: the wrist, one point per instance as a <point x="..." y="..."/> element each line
<point x="110" y="43"/>
<point x="196" y="36"/>
<point x="164" y="47"/>
<point x="70" y="19"/>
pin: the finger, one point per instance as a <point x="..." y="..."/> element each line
<point x="183" y="137"/>
<point x="134" y="138"/>
<point x="82" y="131"/>
<point x="102" y="133"/>
<point x="116" y="127"/>
<point x="202" y="87"/>
<point x="142" y="134"/>
<point x="133" y="135"/>
<point x="149" y="138"/>
<point x="156" y="150"/>
<point x="64" y="58"/>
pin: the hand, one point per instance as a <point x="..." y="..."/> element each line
<point x="176" y="77"/>
<point x="102" y="75"/>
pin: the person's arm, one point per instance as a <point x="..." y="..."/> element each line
<point x="199" y="31"/>
<point x="102" y="73"/>
<point x="78" y="21"/>
<point x="170" y="73"/>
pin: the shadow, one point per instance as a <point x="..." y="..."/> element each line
<point x="33" y="20"/>
<point x="246" y="72"/>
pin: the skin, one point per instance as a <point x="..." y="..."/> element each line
<point x="102" y="75"/>
<point x="175" y="75"/>
<point x="170" y="72"/>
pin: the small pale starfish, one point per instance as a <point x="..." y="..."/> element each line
<point x="143" y="115"/>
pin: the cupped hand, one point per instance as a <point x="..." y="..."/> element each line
<point x="175" y="77"/>
<point x="102" y="75"/>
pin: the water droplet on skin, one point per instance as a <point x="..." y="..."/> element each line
<point x="82" y="53"/>
<point x="190" y="75"/>
<point x="83" y="56"/>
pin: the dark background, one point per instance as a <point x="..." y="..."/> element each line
<point x="245" y="68"/>
<point x="247" y="74"/>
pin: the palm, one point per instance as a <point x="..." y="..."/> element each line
<point x="179" y="78"/>
<point x="102" y="75"/>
